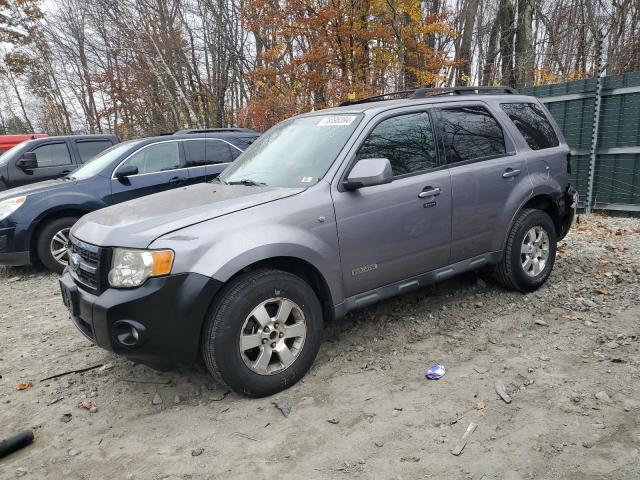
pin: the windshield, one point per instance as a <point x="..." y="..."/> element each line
<point x="294" y="153"/>
<point x="103" y="160"/>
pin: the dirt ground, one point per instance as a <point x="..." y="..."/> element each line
<point x="365" y="410"/>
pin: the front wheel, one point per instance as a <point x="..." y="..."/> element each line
<point x="530" y="252"/>
<point x="52" y="243"/>
<point x="263" y="332"/>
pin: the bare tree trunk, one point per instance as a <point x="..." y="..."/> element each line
<point x="492" y="53"/>
<point x="464" y="52"/>
<point x="524" y="60"/>
<point x="506" y="15"/>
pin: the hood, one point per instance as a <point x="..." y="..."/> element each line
<point x="46" y="186"/>
<point x="139" y="222"/>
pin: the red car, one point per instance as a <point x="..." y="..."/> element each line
<point x="10" y="141"/>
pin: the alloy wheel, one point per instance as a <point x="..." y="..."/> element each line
<point x="534" y="251"/>
<point x="58" y="246"/>
<point x="272" y="336"/>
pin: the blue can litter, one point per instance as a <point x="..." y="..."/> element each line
<point x="435" y="372"/>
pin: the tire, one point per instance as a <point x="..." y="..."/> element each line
<point x="257" y="369"/>
<point x="53" y="233"/>
<point x="514" y="271"/>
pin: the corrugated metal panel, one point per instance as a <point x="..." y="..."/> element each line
<point x="617" y="168"/>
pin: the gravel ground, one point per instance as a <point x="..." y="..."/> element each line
<point x="569" y="356"/>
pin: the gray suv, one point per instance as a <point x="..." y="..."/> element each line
<point x="325" y="213"/>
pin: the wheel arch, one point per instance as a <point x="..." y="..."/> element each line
<point x="302" y="269"/>
<point x="545" y="202"/>
<point x="48" y="216"/>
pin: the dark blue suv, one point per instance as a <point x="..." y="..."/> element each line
<point x="35" y="219"/>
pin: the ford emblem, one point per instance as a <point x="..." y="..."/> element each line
<point x="74" y="261"/>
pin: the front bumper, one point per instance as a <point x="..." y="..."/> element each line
<point x="167" y="312"/>
<point x="14" y="248"/>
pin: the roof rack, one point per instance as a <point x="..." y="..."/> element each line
<point x="424" y="92"/>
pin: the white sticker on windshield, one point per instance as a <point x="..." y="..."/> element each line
<point x="336" y="120"/>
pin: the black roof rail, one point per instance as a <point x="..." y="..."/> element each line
<point x="425" y="92"/>
<point x="431" y="92"/>
<point x="188" y="131"/>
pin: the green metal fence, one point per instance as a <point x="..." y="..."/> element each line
<point x="600" y="118"/>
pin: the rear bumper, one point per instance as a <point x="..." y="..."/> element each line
<point x="167" y="313"/>
<point x="567" y="207"/>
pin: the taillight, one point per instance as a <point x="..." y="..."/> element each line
<point x="568" y="162"/>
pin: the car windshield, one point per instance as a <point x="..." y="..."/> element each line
<point x="103" y="160"/>
<point x="295" y="153"/>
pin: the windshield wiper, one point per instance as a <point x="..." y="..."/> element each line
<point x="246" y="181"/>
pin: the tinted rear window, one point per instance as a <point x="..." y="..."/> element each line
<point x="470" y="133"/>
<point x="89" y="149"/>
<point x="533" y="124"/>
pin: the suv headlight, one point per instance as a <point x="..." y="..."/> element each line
<point x="7" y="207"/>
<point x="131" y="268"/>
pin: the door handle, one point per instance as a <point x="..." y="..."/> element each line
<point x="176" y="180"/>
<point x="510" y="173"/>
<point x="429" y="192"/>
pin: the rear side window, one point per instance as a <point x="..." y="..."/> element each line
<point x="90" y="149"/>
<point x="209" y="152"/>
<point x="406" y="140"/>
<point x="52" y="155"/>
<point x="533" y="124"/>
<point x="470" y="133"/>
<point x="156" y="158"/>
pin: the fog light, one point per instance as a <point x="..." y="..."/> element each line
<point x="129" y="333"/>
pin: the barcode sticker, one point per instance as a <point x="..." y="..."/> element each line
<point x="336" y="120"/>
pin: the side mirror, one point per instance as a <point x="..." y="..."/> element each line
<point x="28" y="161"/>
<point x="126" y="171"/>
<point x="369" y="172"/>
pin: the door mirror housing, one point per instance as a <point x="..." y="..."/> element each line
<point x="369" y="172"/>
<point x="126" y="171"/>
<point x="28" y="161"/>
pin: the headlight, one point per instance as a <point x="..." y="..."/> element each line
<point x="131" y="268"/>
<point x="7" y="207"/>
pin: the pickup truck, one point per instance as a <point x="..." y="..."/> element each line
<point x="7" y="142"/>
<point x="48" y="158"/>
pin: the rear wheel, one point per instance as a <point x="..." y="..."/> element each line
<point x="530" y="252"/>
<point x="263" y="332"/>
<point x="52" y="243"/>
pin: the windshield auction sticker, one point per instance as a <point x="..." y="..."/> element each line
<point x="336" y="120"/>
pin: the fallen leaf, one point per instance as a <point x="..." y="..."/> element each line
<point x="86" y="404"/>
<point x="601" y="291"/>
<point x="24" y="386"/>
<point x="480" y="404"/>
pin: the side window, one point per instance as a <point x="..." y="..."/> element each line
<point x="208" y="152"/>
<point x="90" y="149"/>
<point x="156" y="158"/>
<point x="470" y="133"/>
<point x="532" y="124"/>
<point x="52" y="155"/>
<point x="406" y="140"/>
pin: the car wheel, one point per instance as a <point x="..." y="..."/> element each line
<point x="52" y="243"/>
<point x="530" y="252"/>
<point x="262" y="333"/>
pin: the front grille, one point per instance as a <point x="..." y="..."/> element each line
<point x="85" y="261"/>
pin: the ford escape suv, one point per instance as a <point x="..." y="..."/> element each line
<point x="325" y="213"/>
